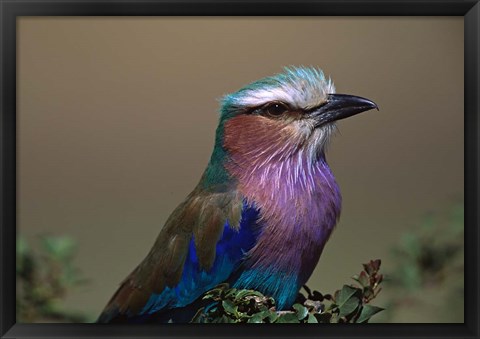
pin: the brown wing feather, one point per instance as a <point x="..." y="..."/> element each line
<point x="203" y="216"/>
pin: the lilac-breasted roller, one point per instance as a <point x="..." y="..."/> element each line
<point x="263" y="210"/>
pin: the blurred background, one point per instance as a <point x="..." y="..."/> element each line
<point x="116" y="120"/>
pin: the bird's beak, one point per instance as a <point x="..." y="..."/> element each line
<point x="340" y="106"/>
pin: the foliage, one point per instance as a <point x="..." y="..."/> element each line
<point x="428" y="270"/>
<point x="44" y="277"/>
<point x="350" y="304"/>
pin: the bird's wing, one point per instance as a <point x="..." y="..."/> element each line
<point x="201" y="244"/>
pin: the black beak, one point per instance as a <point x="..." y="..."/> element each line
<point x="341" y="106"/>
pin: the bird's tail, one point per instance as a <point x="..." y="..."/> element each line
<point x="126" y="303"/>
<point x="115" y="314"/>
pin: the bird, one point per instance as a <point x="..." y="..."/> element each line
<point x="263" y="210"/>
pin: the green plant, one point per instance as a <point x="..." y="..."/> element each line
<point x="426" y="282"/>
<point x="350" y="304"/>
<point x="45" y="276"/>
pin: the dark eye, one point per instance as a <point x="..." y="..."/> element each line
<point x="275" y="109"/>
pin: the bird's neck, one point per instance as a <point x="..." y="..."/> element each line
<point x="295" y="191"/>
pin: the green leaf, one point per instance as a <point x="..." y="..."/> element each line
<point x="229" y="307"/>
<point x="256" y="319"/>
<point x="242" y="294"/>
<point x="367" y="312"/>
<point x="288" y="318"/>
<point x="347" y="301"/>
<point x="311" y="319"/>
<point x="349" y="306"/>
<point x="264" y="314"/>
<point x="301" y="311"/>
<point x="231" y="292"/>
<point x="344" y="294"/>
<point x="273" y="316"/>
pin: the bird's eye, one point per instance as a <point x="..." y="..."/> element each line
<point x="275" y="109"/>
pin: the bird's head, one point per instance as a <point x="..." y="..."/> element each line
<point x="279" y="116"/>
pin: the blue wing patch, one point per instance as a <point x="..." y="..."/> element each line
<point x="195" y="281"/>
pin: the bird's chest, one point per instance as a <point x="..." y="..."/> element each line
<point x="297" y="213"/>
<point x="299" y="207"/>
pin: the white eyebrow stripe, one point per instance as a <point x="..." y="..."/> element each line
<point x="296" y="98"/>
<point x="259" y="97"/>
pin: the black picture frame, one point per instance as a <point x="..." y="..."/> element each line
<point x="11" y="10"/>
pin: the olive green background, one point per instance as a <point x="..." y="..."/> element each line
<point x="116" y="120"/>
